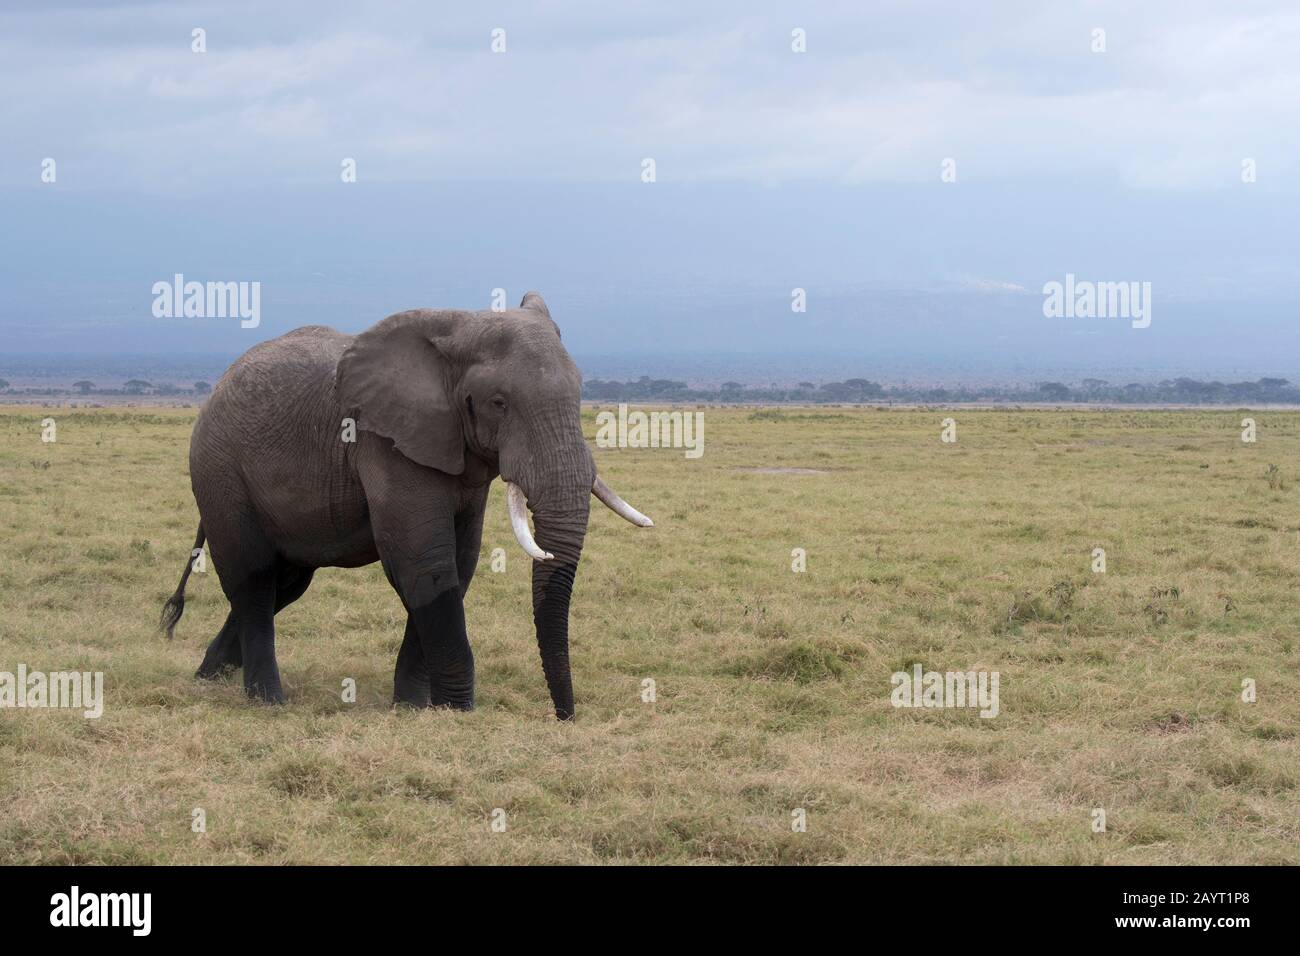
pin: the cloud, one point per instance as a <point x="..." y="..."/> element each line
<point x="1184" y="92"/>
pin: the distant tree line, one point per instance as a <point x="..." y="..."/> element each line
<point x="135" y="386"/>
<point x="1178" y="391"/>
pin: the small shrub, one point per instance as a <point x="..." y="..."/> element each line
<point x="801" y="662"/>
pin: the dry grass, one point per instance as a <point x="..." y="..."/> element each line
<point x="1119" y="691"/>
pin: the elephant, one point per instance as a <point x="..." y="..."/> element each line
<point x="320" y="449"/>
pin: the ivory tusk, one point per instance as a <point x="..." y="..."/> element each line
<point x="518" y="508"/>
<point x="617" y="505"/>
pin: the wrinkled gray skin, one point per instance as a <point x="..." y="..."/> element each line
<point x="444" y="402"/>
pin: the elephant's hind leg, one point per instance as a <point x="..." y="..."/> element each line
<point x="255" y="603"/>
<point x="224" y="653"/>
<point x="250" y="571"/>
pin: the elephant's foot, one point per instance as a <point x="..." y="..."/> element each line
<point x="218" y="671"/>
<point x="410" y="691"/>
<point x="454" y="687"/>
<point x="224" y="654"/>
<point x="265" y="688"/>
<point x="458" y="702"/>
<point x="419" y="694"/>
<point x="417" y="691"/>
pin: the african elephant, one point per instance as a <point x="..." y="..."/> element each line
<point x="442" y="403"/>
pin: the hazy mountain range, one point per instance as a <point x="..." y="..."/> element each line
<point x="941" y="281"/>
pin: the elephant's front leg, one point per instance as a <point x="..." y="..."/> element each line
<point x="411" y="679"/>
<point x="449" y="680"/>
<point x="435" y="666"/>
<point x="413" y="517"/>
<point x="450" y="662"/>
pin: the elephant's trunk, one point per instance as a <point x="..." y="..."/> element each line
<point x="561" y="534"/>
<point x="555" y="476"/>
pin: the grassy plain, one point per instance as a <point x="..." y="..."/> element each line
<point x="1120" y="691"/>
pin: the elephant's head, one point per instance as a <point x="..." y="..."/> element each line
<point x="467" y="389"/>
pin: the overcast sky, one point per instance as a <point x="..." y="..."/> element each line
<point x="523" y="168"/>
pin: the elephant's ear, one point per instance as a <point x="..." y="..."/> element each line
<point x="534" y="301"/>
<point x="394" y="380"/>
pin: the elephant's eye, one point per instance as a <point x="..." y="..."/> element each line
<point x="500" y="403"/>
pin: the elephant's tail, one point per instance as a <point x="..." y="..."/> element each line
<point x="175" y="606"/>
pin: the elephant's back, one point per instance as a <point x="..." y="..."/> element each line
<point x="283" y="366"/>
<point x="270" y="433"/>
<point x="276" y="377"/>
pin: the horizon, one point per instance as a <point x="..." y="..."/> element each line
<point x="700" y="370"/>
